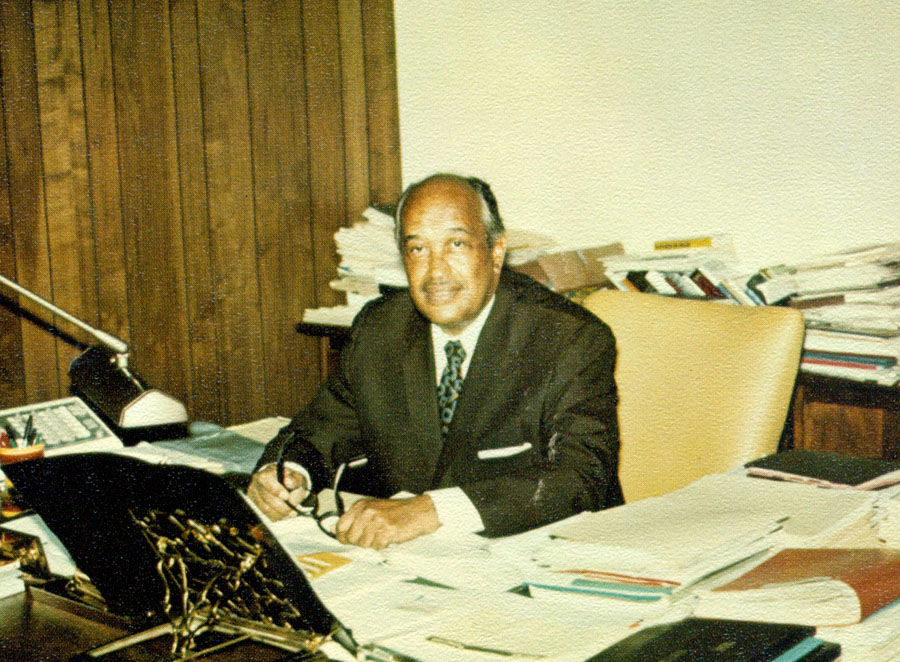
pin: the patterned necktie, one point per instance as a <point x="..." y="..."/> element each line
<point x="451" y="383"/>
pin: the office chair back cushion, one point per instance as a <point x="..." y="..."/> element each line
<point x="703" y="386"/>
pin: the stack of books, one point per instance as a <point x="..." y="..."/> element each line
<point x="698" y="268"/>
<point x="851" y="305"/>
<point x="850" y="300"/>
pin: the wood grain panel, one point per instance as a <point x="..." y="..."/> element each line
<point x="201" y="305"/>
<point x="12" y="376"/>
<point x="26" y="182"/>
<point x="353" y="97"/>
<point x="103" y="169"/>
<point x="381" y="101"/>
<point x="280" y="169"/>
<point x="326" y="139"/>
<point x="844" y="428"/>
<point x="152" y="232"/>
<point x="70" y="235"/>
<point x="174" y="172"/>
<point x="223" y="74"/>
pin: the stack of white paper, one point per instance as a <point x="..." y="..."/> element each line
<point x="653" y="549"/>
<point x="370" y="258"/>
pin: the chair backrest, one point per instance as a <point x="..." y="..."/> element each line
<point x="703" y="386"/>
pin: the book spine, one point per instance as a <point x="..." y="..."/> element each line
<point x="619" y="281"/>
<point x="838" y="364"/>
<point x="661" y="284"/>
<point x="639" y="280"/>
<point x="704" y="283"/>
<point x="880" y="361"/>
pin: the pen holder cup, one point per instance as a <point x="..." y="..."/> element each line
<point x="8" y="507"/>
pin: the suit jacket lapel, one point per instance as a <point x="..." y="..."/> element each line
<point x="423" y="431"/>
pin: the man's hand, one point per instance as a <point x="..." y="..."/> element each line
<point x="377" y="523"/>
<point x="273" y="498"/>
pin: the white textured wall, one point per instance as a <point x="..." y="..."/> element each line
<point x="777" y="123"/>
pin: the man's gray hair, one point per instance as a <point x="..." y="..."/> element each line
<point x="490" y="215"/>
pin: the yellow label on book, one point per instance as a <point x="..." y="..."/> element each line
<point x="676" y="244"/>
<point x="316" y="565"/>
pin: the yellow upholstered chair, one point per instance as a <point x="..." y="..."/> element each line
<point x="703" y="386"/>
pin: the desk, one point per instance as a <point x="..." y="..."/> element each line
<point x="376" y="597"/>
<point x="35" y="632"/>
<point x="332" y="338"/>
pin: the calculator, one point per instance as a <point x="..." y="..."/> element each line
<point x="64" y="425"/>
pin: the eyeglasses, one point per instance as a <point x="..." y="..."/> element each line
<point x="328" y="520"/>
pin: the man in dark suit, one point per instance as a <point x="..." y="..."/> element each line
<point x="487" y="397"/>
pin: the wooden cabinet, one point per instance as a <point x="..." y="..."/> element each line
<point x="844" y="416"/>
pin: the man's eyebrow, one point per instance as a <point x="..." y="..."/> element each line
<point x="410" y="237"/>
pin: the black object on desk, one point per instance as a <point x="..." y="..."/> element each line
<point x="718" y="640"/>
<point x="176" y="550"/>
<point x="826" y="469"/>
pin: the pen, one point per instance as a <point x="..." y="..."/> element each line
<point x="29" y="427"/>
<point x="279" y="467"/>
<point x="481" y="649"/>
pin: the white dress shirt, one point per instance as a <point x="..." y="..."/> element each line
<point x="454" y="509"/>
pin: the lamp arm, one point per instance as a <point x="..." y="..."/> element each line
<point x="120" y="347"/>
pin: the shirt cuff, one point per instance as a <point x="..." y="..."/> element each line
<point x="455" y="510"/>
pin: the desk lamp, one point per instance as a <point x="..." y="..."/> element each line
<point x="100" y="375"/>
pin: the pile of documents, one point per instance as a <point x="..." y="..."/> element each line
<point x="370" y="262"/>
<point x="850" y="300"/>
<point x="11" y="581"/>
<point x="648" y="552"/>
<point x="851" y="304"/>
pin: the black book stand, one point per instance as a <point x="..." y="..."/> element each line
<point x="179" y="553"/>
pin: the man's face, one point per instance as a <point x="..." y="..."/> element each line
<point x="452" y="273"/>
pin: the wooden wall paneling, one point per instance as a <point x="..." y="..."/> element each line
<point x="381" y="101"/>
<point x="70" y="234"/>
<point x="353" y="97"/>
<point x="202" y="305"/>
<point x="223" y="72"/>
<point x="26" y="196"/>
<point x="326" y="140"/>
<point x="199" y="157"/>
<point x="282" y="193"/>
<point x="103" y="169"/>
<point x="145" y="116"/>
<point x="12" y="375"/>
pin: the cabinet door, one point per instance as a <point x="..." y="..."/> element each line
<point x="846" y="417"/>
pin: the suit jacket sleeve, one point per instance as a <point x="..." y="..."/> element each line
<point x="328" y="421"/>
<point x="578" y="442"/>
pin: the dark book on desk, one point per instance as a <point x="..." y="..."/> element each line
<point x="715" y="640"/>
<point x="825" y="469"/>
